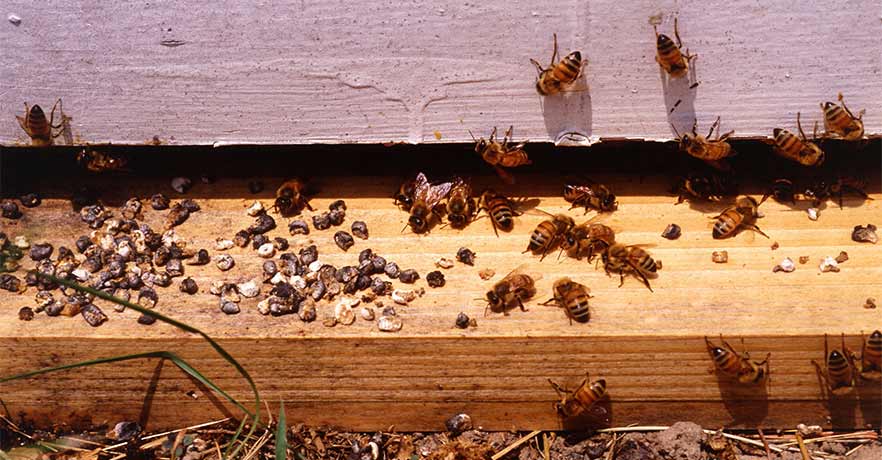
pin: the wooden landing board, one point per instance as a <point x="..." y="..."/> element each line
<point x="648" y="346"/>
<point x="380" y="71"/>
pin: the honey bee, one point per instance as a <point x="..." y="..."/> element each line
<point x="36" y="126"/>
<point x="803" y="151"/>
<point x="871" y="357"/>
<point x="425" y="199"/>
<point x="820" y="190"/>
<point x="290" y="199"/>
<point x="670" y="56"/>
<point x="709" y="187"/>
<point x="737" y="365"/>
<point x="101" y="161"/>
<point x="840" y="122"/>
<point x="548" y="234"/>
<point x="705" y="148"/>
<point x="742" y="215"/>
<point x="511" y="291"/>
<point x="500" y="209"/>
<point x="558" y="75"/>
<point x="590" y="195"/>
<point x="573" y="298"/>
<point x="501" y="154"/>
<point x="576" y="403"/>
<point x="589" y="239"/>
<point x="782" y="191"/>
<point x="404" y="196"/>
<point x="838" y="369"/>
<point x="622" y="259"/>
<point x="461" y="206"/>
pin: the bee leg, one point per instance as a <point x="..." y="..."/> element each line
<point x="713" y="126"/>
<point x="52" y="114"/>
<point x="554" y="53"/>
<point x="695" y="126"/>
<point x="756" y="229"/>
<point x="307" y="205"/>
<point x="822" y="379"/>
<point x="645" y="281"/>
<point x="561" y="391"/>
<point x="521" y="305"/>
<point x="677" y="33"/>
<point x="548" y="301"/>
<point x="799" y="126"/>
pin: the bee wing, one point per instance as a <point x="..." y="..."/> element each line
<point x="538" y="212"/>
<point x="436" y="193"/>
<point x="524" y="205"/>
<point x="522" y="270"/>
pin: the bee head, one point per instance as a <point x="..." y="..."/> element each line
<point x="417" y="223"/>
<point x="481" y="145"/>
<point x="456" y="220"/>
<point x="663" y="40"/>
<point x="576" y="55"/>
<point x="610" y="203"/>
<point x="776" y="131"/>
<point x="828" y="104"/>
<point x="37" y="111"/>
<point x="283" y="203"/>
<point x="835" y="355"/>
<point x="492" y="298"/>
<point x="717" y="352"/>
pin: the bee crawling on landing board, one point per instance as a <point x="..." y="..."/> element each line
<point x="737" y="365"/>
<point x="590" y="195"/>
<point x="426" y="198"/>
<point x="404" y="195"/>
<point x="548" y="234"/>
<point x="577" y="402"/>
<point x="558" y="75"/>
<point x="511" y="291"/>
<point x="669" y="55"/>
<point x="290" y="198"/>
<point x="802" y="151"/>
<point x="36" y="126"/>
<point x="840" y="122"/>
<point x="502" y="154"/>
<point x="501" y="210"/>
<point x="587" y="239"/>
<point x="623" y="259"/>
<point x="838" y="371"/>
<point x="461" y="205"/>
<point x="742" y="215"/>
<point x="782" y="190"/>
<point x="573" y="298"/>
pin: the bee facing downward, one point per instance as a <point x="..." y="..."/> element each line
<point x="871" y="357"/>
<point x="36" y="126"/>
<point x="838" y="369"/>
<point x="558" y="76"/>
<point x="290" y="198"/>
<point x="576" y="403"/>
<point x="425" y="199"/>
<point x="461" y="206"/>
<point x="840" y="122"/>
<point x="737" y="365"/>
<point x="669" y="55"/>
<point x="802" y="151"/>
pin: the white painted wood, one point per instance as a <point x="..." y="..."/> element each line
<point x="380" y="71"/>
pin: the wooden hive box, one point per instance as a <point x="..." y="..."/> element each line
<point x="181" y="74"/>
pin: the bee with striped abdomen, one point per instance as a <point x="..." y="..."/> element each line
<point x="705" y="186"/>
<point x="290" y="198"/>
<point x="547" y="235"/>
<point x="461" y="206"/>
<point x="37" y="127"/>
<point x="838" y="370"/>
<point x="573" y="298"/>
<point x="669" y="55"/>
<point x="591" y="195"/>
<point x="840" y="122"/>
<point x="737" y="365"/>
<point x="623" y="259"/>
<point x="871" y="357"/>
<point x="426" y="197"/>
<point x="742" y="215"/>
<point x="500" y="209"/>
<point x="588" y="239"/>
<point x="511" y="291"/>
<point x="705" y="148"/>
<point x="502" y="154"/>
<point x="576" y="403"/>
<point x="404" y="196"/>
<point x="802" y="151"/>
<point x="558" y="75"/>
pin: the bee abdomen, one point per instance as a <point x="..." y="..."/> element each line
<point x="541" y="235"/>
<point x="787" y="142"/>
<point x="728" y="362"/>
<point x="873" y="352"/>
<point x="577" y="305"/>
<point x="568" y="69"/>
<point x="726" y="224"/>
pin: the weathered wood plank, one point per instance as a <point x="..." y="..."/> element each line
<point x="381" y="71"/>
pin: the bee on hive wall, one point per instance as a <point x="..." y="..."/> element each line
<point x="623" y="259"/>
<point x="840" y="122"/>
<point x="737" y="365"/>
<point x="425" y="199"/>
<point x="461" y="205"/>
<point x="558" y="75"/>
<point x="502" y="154"/>
<point x="838" y="369"/>
<point x="742" y="215"/>
<point x="705" y="148"/>
<point x="669" y="55"/>
<point x="37" y="127"/>
<point x="577" y="402"/>
<point x="591" y="195"/>
<point x="511" y="291"/>
<point x="871" y="357"/>
<point x="548" y="233"/>
<point x="290" y="198"/>
<point x="573" y="298"/>
<point x="802" y="151"/>
<point x="782" y="190"/>
<point x="500" y="209"/>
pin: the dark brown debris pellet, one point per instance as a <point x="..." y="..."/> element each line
<point x="255" y="186"/>
<point x="336" y="217"/>
<point x="30" y="200"/>
<point x="242" y="238"/>
<point x="230" y="308"/>
<point x="83" y="243"/>
<point x="189" y="286"/>
<point x="344" y="240"/>
<point x="26" y="314"/>
<point x="803" y="259"/>
<point x="458" y="424"/>
<point x="10" y="282"/>
<point x="408" y="276"/>
<point x="865" y="234"/>
<point x="308" y="255"/>
<point x="321" y="221"/>
<point x="870" y="303"/>
<point x="177" y="216"/>
<point x="365" y="254"/>
<point x="159" y="202"/>
<point x="298" y="227"/>
<point x="435" y="279"/>
<point x="190" y="205"/>
<point x="338" y="205"/>
<point x="9" y="209"/>
<point x="201" y="258"/>
<point x="466" y="256"/>
<point x="93" y="315"/>
<point x="392" y="270"/>
<point x="360" y="230"/>
<point x="146" y="319"/>
<point x="262" y="224"/>
<point x="40" y="251"/>
<point x="380" y="287"/>
<point x="259" y="240"/>
<point x="671" y="232"/>
<point x="842" y="257"/>
<point x="132" y="208"/>
<point x="462" y="320"/>
<point x="280" y="243"/>
<point x="775" y="245"/>
<point x="174" y="268"/>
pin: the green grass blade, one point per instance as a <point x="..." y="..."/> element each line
<point x="281" y="435"/>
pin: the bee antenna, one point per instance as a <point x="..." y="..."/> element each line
<point x="675" y="130"/>
<point x="473" y="136"/>
<point x="405" y="227"/>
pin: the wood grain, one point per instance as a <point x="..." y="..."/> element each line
<point x="649" y="346"/>
<point x="378" y="71"/>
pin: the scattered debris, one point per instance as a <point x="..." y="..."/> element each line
<point x="444" y="262"/>
<point x="159" y="202"/>
<point x="466" y="256"/>
<point x="720" y="257"/>
<point x="403" y="297"/>
<point x="785" y="266"/>
<point x="298" y="227"/>
<point x="842" y="257"/>
<point x="809" y="431"/>
<point x="865" y="234"/>
<point x="359" y="230"/>
<point x="189" y="286"/>
<point x="224" y="262"/>
<point x="812" y="213"/>
<point x="435" y="279"/>
<point x="775" y="246"/>
<point x="409" y="276"/>
<point x="343" y="312"/>
<point x="256" y="209"/>
<point x="388" y="323"/>
<point x="367" y="313"/>
<point x="487" y="273"/>
<point x="458" y="423"/>
<point x="266" y="250"/>
<point x="462" y="320"/>
<point x="344" y="240"/>
<point x="30" y="200"/>
<point x="828" y="264"/>
<point x="803" y="259"/>
<point x="181" y="184"/>
<point x="26" y="314"/>
<point x="870" y="303"/>
<point x="671" y="232"/>
<point x="14" y="19"/>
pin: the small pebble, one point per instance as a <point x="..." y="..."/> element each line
<point x="249" y="289"/>
<point x="159" y="202"/>
<point x="307" y="311"/>
<point x="803" y="259"/>
<point x="389" y="323"/>
<point x="865" y="234"/>
<point x="402" y="297"/>
<point x="435" y="279"/>
<point x="458" y="423"/>
<point x="321" y="221"/>
<point x="189" y="286"/>
<point x="259" y="240"/>
<point x="174" y="268"/>
<point x="9" y="209"/>
<point x="785" y="266"/>
<point x="812" y="213"/>
<point x="201" y="258"/>
<point x="267" y="251"/>
<point x="409" y="276"/>
<point x="466" y="256"/>
<point x="392" y="270"/>
<point x="329" y="322"/>
<point x="309" y="255"/>
<point x="870" y="303"/>
<point x="444" y="262"/>
<point x="315" y="266"/>
<point x="255" y="209"/>
<point x="41" y="251"/>
<point x="93" y="315"/>
<point x="344" y="240"/>
<point x="262" y="224"/>
<point x="487" y="273"/>
<point x="462" y="320"/>
<point x="13" y="19"/>
<point x="146" y="319"/>
<point x="190" y="205"/>
<point x="775" y="245"/>
<point x="367" y="313"/>
<point x="671" y="232"/>
<point x="828" y="264"/>
<point x="230" y="308"/>
<point x="298" y="227"/>
<point x="365" y="254"/>
<point x="255" y="186"/>
<point x="359" y="229"/>
<point x="181" y="184"/>
<point x="336" y="217"/>
<point x="280" y="243"/>
<point x="26" y="314"/>
<point x="720" y="257"/>
<point x="30" y="200"/>
<point x="842" y="257"/>
<point x="224" y="262"/>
